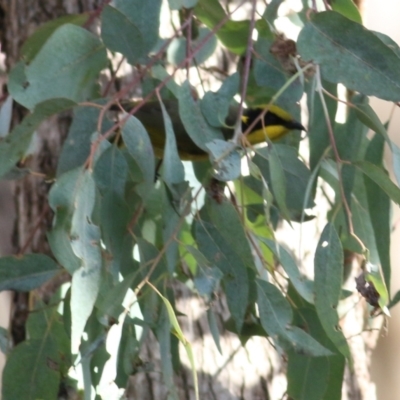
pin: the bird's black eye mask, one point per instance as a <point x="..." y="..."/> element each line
<point x="270" y="118"/>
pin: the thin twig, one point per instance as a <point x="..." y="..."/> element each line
<point x="245" y="76"/>
<point x="276" y="96"/>
<point x="338" y="160"/>
<point x="123" y="92"/>
<point x="167" y="243"/>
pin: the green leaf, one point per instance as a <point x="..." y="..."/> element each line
<point x="36" y="41"/>
<point x="178" y="4"/>
<point x="348" y="9"/>
<point x="278" y="181"/>
<point x="276" y="317"/>
<point x="222" y="255"/>
<point x="260" y="229"/>
<point x="215" y="105"/>
<point x="395" y="299"/>
<point x="225" y="160"/>
<point x="53" y="73"/>
<point x="369" y="118"/>
<point x="207" y="278"/>
<point x="114" y="220"/>
<point x="160" y="73"/>
<point x="15" y="145"/>
<point x="164" y="339"/>
<point x="303" y="286"/>
<point x="379" y="208"/>
<point x="128" y="353"/>
<point x="85" y="242"/>
<point x="318" y="132"/>
<point x="232" y="34"/>
<point x="388" y="41"/>
<point x="173" y="171"/>
<point x="111" y="171"/>
<point x="212" y="323"/>
<point x="228" y="223"/>
<point x="41" y="360"/>
<point x="93" y="354"/>
<point x="296" y="176"/>
<point x="193" y="120"/>
<point x="348" y="138"/>
<point x="148" y="255"/>
<point x="5" y="116"/>
<point x="313" y="378"/>
<point x="27" y="272"/>
<point x="77" y="145"/>
<point x="5" y="341"/>
<point x="350" y="54"/>
<point x="131" y="28"/>
<point x="179" y="49"/>
<point x="396" y="161"/>
<point x="381" y="178"/>
<point x="61" y="200"/>
<point x="170" y="227"/>
<point x="36" y="363"/>
<point x="374" y="275"/>
<point x="140" y="148"/>
<point x="177" y="331"/>
<point x="111" y="304"/>
<point x="328" y="270"/>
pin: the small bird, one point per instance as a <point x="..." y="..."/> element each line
<point x="276" y="123"/>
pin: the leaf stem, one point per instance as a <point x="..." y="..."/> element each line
<point x="245" y="75"/>
<point x="339" y="161"/>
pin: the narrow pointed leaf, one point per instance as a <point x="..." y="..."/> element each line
<point x="328" y="270"/>
<point x="27" y="272"/>
<point x="276" y="318"/>
<point x="86" y="245"/>
<point x="381" y="178"/>
<point x="350" y="54"/>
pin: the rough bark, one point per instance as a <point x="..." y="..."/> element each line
<point x="18" y="20"/>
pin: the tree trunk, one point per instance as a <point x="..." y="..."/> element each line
<point x="18" y="20"/>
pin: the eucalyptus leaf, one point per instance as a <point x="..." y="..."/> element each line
<point x="328" y="270"/>
<point x="15" y="145"/>
<point x="27" y="272"/>
<point x="221" y="254"/>
<point x="348" y="9"/>
<point x="35" y="42"/>
<point x="140" y="148"/>
<point x="381" y="178"/>
<point x="85" y="242"/>
<point x="53" y="73"/>
<point x="137" y="20"/>
<point x="232" y="34"/>
<point x="303" y="285"/>
<point x="366" y="65"/>
<point x="276" y="317"/>
<point x="225" y="159"/>
<point x="215" y="105"/>
<point x="313" y="378"/>
<point x="193" y="120"/>
<point x="379" y="207"/>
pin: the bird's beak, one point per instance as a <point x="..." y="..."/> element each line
<point x="295" y="125"/>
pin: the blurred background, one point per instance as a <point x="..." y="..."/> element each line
<point x="382" y="16"/>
